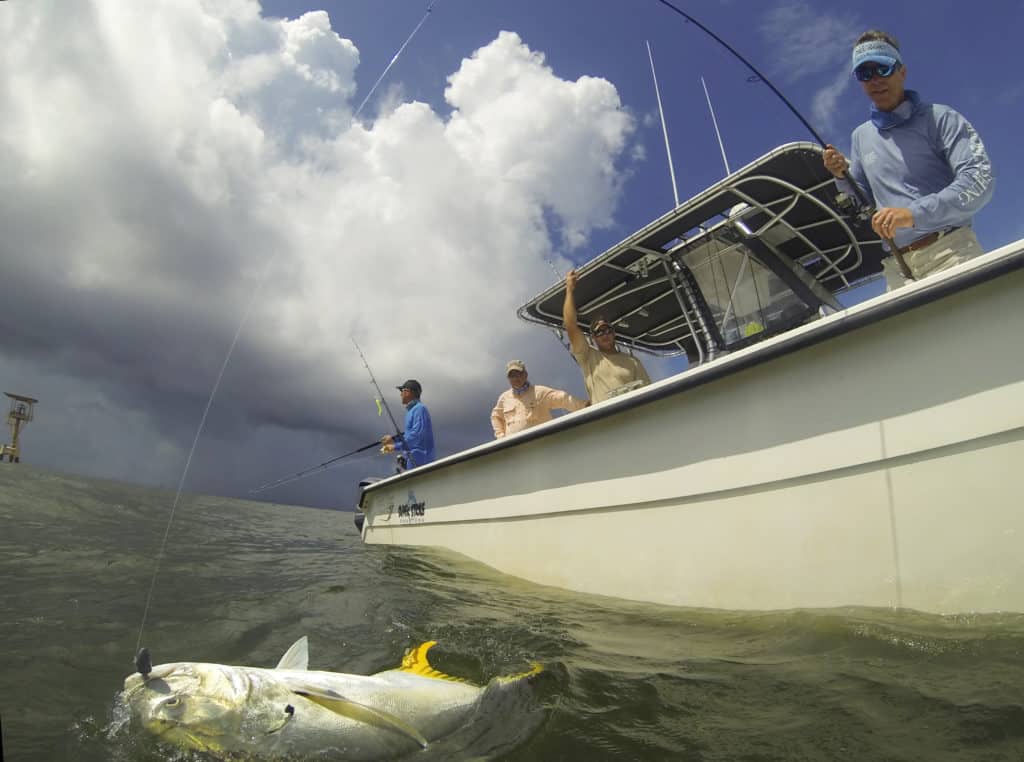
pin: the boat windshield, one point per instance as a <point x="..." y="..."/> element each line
<point x="744" y="297"/>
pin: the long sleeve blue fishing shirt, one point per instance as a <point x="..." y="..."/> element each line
<point x="924" y="157"/>
<point x="417" y="443"/>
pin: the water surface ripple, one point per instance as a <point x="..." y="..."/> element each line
<point x="241" y="581"/>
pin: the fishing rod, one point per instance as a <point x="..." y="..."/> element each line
<point x="867" y="209"/>
<point x="381" y="400"/>
<point x="312" y="470"/>
<point x="323" y="466"/>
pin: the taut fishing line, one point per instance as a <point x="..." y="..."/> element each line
<point x="195" y="442"/>
<point x="142" y="655"/>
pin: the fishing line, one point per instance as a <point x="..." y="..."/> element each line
<point x="382" y="404"/>
<point x="195" y="442"/>
<point x="223" y="368"/>
<point x="430" y="7"/>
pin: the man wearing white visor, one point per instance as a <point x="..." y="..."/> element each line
<point x="922" y="164"/>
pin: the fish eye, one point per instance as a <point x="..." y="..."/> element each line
<point x="172" y="701"/>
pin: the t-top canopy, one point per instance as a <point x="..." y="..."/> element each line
<point x="755" y="254"/>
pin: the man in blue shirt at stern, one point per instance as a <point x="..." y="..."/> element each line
<point x="922" y="163"/>
<point x="416" y="445"/>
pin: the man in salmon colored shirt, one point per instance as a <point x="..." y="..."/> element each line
<point x="526" y="404"/>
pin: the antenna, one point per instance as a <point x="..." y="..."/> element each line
<point x="664" y="129"/>
<point x="394" y="58"/>
<point x="714" y="121"/>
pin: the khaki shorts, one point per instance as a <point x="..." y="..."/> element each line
<point x="949" y="251"/>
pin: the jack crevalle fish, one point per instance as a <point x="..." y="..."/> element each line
<point x="291" y="710"/>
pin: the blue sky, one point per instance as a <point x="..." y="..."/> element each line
<point x="802" y="47"/>
<point x="178" y="172"/>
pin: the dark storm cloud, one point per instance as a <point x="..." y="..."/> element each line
<point x="166" y="167"/>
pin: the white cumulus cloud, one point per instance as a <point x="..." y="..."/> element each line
<point x="167" y="163"/>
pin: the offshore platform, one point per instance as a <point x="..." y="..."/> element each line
<point x="17" y="418"/>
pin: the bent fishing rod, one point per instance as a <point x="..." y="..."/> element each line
<point x="867" y="209"/>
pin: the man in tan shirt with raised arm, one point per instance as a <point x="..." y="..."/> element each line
<point x="606" y="371"/>
<point x="526" y="404"/>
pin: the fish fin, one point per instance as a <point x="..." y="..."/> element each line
<point x="338" y="704"/>
<point x="296" y="657"/>
<point x="415" y="661"/>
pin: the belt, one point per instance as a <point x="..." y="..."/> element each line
<point x="923" y="241"/>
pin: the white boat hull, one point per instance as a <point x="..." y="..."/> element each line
<point x="877" y="466"/>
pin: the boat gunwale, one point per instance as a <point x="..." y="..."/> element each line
<point x="983" y="269"/>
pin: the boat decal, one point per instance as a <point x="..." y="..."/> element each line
<point x="413" y="511"/>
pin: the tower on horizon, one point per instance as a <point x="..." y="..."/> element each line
<point x="17" y="418"/>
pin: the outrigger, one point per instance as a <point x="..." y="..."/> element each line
<point x="810" y="455"/>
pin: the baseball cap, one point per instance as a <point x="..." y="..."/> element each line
<point x="413" y="386"/>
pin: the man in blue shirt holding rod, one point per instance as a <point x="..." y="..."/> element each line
<point x="416" y="445"/>
<point x="922" y="163"/>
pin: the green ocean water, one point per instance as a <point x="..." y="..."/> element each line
<point x="240" y="581"/>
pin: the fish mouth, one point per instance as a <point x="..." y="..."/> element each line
<point x="172" y="733"/>
<point x="164" y="731"/>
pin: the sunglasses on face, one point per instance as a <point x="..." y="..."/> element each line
<point x="866" y="72"/>
<point x="604" y="330"/>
